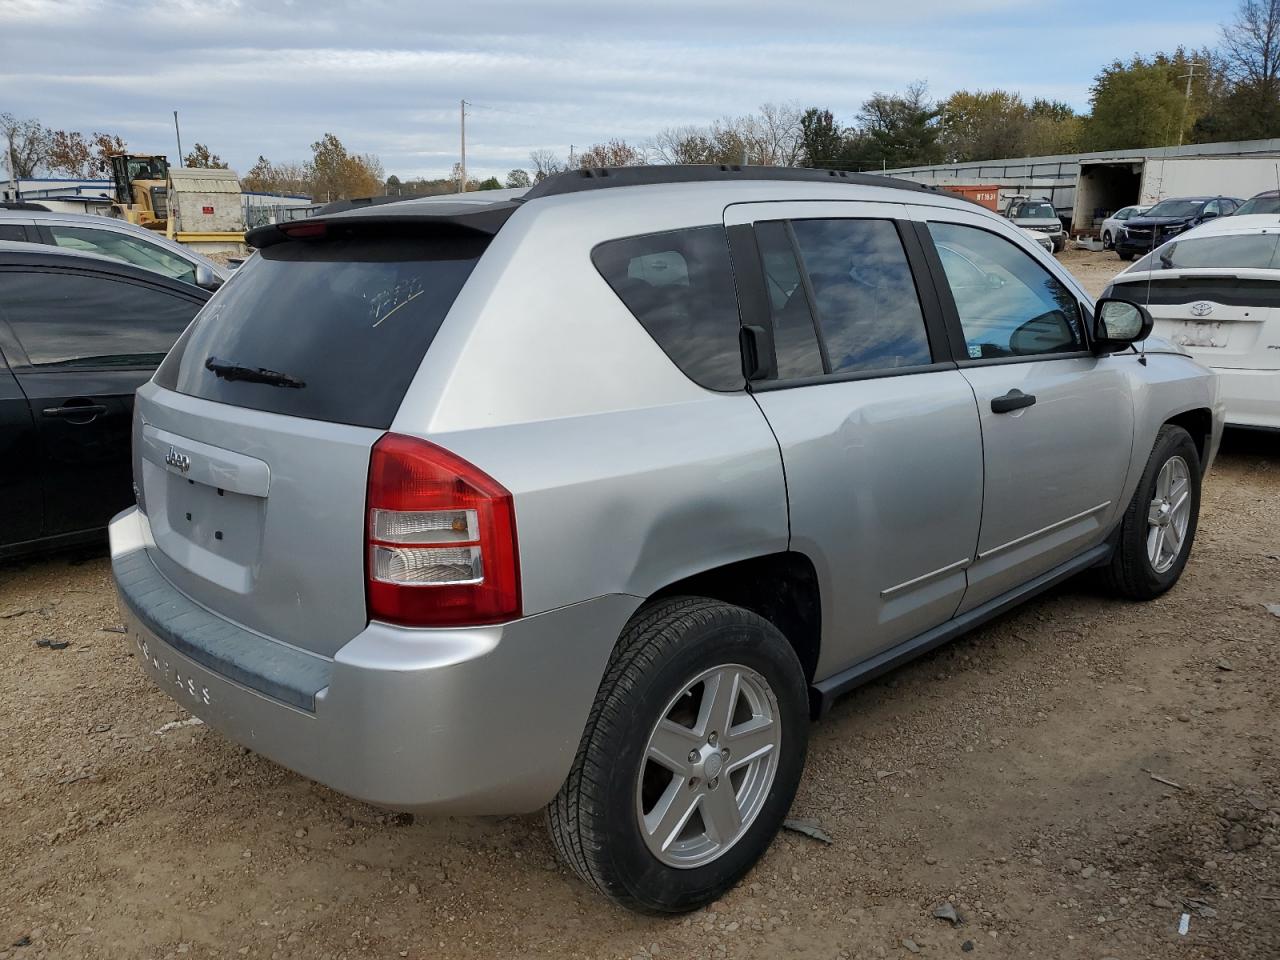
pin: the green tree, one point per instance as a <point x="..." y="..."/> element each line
<point x="822" y="141"/>
<point x="1143" y="103"/>
<point x="201" y="157"/>
<point x="984" y="125"/>
<point x="518" y="178"/>
<point x="492" y="183"/>
<point x="898" y="130"/>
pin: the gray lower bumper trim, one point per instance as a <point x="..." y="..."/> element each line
<point x="279" y="671"/>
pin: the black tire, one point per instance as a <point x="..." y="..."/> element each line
<point x="1107" y="242"/>
<point x="1059" y="244"/>
<point x="1131" y="573"/>
<point x="593" y="820"/>
<point x="1124" y="255"/>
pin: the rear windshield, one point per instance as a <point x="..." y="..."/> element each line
<point x="344" y="324"/>
<point x="1257" y="251"/>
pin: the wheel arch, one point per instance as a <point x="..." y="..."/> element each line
<point x="1199" y="423"/>
<point x="780" y="587"/>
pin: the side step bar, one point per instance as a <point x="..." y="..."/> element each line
<point x="824" y="694"/>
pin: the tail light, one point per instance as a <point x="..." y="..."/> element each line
<point x="441" y="539"/>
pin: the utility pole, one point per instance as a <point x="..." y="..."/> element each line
<point x="177" y="133"/>
<point x="1188" y="77"/>
<point x="13" y="167"/>
<point x="462" y="166"/>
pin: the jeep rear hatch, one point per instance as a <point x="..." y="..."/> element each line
<point x="253" y="459"/>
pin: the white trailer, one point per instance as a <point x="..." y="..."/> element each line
<point x="205" y="210"/>
<point x="1105" y="185"/>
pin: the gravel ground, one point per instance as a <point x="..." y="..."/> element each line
<point x="1073" y="779"/>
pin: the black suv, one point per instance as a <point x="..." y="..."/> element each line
<point x="79" y="333"/>
<point x="1145" y="232"/>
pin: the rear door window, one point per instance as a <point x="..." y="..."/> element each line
<point x="119" y="246"/>
<point x="864" y="294"/>
<point x="346" y="322"/>
<point x="13" y="231"/>
<point x="679" y="285"/>
<point x="68" y="320"/>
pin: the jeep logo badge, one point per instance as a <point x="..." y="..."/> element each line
<point x="179" y="461"/>
<point x="1201" y="308"/>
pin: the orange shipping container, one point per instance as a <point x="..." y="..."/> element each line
<point x="987" y="195"/>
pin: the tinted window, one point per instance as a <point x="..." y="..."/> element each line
<point x="1247" y="250"/>
<point x="1259" y="205"/>
<point x="118" y="246"/>
<point x="794" y="339"/>
<point x="679" y="285"/>
<point x="350" y="318"/>
<point x="67" y="319"/>
<point x="864" y="294"/>
<point x="1009" y="305"/>
<point x="1036" y="211"/>
<point x="12" y="231"/>
<point x="1175" y="208"/>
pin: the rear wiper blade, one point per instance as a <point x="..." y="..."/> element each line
<point x="235" y="371"/>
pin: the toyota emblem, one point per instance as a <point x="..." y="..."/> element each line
<point x="1201" y="308"/>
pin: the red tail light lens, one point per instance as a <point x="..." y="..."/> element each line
<point x="441" y="539"/>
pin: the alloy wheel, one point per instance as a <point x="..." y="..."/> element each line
<point x="1169" y="514"/>
<point x="708" y="766"/>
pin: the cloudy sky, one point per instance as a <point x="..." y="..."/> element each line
<point x="252" y="77"/>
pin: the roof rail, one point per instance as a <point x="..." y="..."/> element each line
<point x="599" y="178"/>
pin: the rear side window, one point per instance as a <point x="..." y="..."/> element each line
<point x="13" y="231"/>
<point x="68" y="320"/>
<point x="679" y="285"/>
<point x="350" y="320"/>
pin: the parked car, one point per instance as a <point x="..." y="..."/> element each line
<point x="1166" y="219"/>
<point x="1112" y="225"/>
<point x="1043" y="240"/>
<point x="1214" y="291"/>
<point x="464" y="505"/>
<point x="1040" y="216"/>
<point x="78" y="334"/>
<point x="1266" y="202"/>
<point x="113" y="238"/>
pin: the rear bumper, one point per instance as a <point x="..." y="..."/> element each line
<point x="480" y="720"/>
<point x="1251" y="397"/>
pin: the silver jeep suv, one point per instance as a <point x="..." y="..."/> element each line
<point x="589" y="499"/>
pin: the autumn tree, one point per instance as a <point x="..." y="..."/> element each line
<point x="337" y="173"/>
<point x="71" y="153"/>
<point x="25" y="144"/>
<point x="201" y="157"/>
<point x="611" y="153"/>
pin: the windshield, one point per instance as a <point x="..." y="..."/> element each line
<point x="1175" y="208"/>
<point x="1250" y="251"/>
<point x="1036" y="211"/>
<point x="1259" y="205"/>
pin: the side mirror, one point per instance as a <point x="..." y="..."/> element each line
<point x="206" y="278"/>
<point x="1118" y="324"/>
<point x="1207" y="216"/>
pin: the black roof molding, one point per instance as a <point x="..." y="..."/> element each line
<point x="599" y="178"/>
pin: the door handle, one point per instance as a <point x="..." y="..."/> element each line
<point x="1013" y="400"/>
<point x="72" y="411"/>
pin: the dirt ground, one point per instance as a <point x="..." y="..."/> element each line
<point x="1074" y="779"/>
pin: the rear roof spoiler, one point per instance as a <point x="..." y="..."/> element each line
<point x="406" y="216"/>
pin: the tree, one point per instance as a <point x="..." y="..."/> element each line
<point x="1250" y="108"/>
<point x="201" y="157"/>
<point x="821" y="140"/>
<point x="771" y="135"/>
<point x="492" y="183"/>
<point x="518" y="178"/>
<point x="1143" y="103"/>
<point x="72" y="154"/>
<point x="392" y="186"/>
<point x="337" y="174"/>
<point x="611" y="153"/>
<point x="545" y="164"/>
<point x="25" y="144"/>
<point x="984" y="125"/>
<point x="898" y="130"/>
<point x="267" y="177"/>
<point x="1054" y="128"/>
